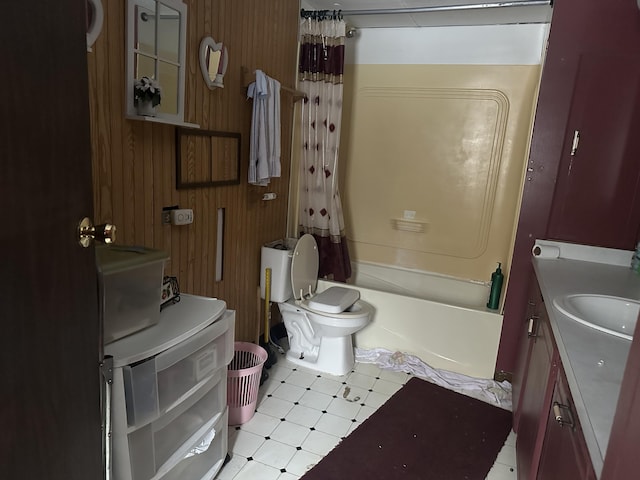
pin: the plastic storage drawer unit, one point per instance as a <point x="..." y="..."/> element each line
<point x="130" y="283"/>
<point x="154" y="386"/>
<point x="169" y="395"/>
<point x="160" y="445"/>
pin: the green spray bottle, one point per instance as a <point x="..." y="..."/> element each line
<point x="496" y="288"/>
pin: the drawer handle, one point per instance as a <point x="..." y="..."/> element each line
<point x="531" y="328"/>
<point x="562" y="414"/>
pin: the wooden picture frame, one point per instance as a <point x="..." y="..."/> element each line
<point x="207" y="158"/>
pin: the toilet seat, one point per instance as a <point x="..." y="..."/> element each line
<point x="304" y="281"/>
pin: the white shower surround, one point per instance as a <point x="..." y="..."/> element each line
<point x="461" y="45"/>
<point x="446" y="325"/>
<point x="420" y="284"/>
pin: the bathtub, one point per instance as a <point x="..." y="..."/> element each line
<point x="442" y="320"/>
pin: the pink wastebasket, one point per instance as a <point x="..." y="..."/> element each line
<point x="243" y="381"/>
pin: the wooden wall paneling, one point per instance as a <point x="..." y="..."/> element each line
<point x="152" y="209"/>
<point x="99" y="97"/>
<point x="146" y="223"/>
<point x="233" y="90"/>
<point x="218" y="99"/>
<point x="157" y="193"/>
<point x="188" y="150"/>
<point x="240" y="252"/>
<point x="215" y="103"/>
<point x="101" y="127"/>
<point x="138" y="169"/>
<point x="207" y="272"/>
<point x="201" y="161"/>
<point x="204" y="17"/>
<point x="200" y="233"/>
<point x="182" y="234"/>
<point x="191" y="66"/>
<point x="138" y="144"/>
<point x="217" y="163"/>
<point x="92" y="66"/>
<point x="248" y="28"/>
<point x="170" y="243"/>
<point x="115" y="21"/>
<point x="202" y="254"/>
<point x="240" y="264"/>
<point x="191" y="232"/>
<point x="134" y="162"/>
<point x="178" y="234"/>
<point x="140" y="147"/>
<point x="123" y="184"/>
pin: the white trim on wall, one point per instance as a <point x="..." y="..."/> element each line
<point x="462" y="45"/>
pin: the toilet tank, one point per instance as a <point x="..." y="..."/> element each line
<point x="277" y="256"/>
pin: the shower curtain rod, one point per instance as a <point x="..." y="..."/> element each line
<point x="447" y="8"/>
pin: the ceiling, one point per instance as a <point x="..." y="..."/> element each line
<point x="477" y="13"/>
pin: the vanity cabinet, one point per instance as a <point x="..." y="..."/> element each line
<point x="535" y="304"/>
<point x="535" y="390"/>
<point x="564" y="453"/>
<point x="545" y="450"/>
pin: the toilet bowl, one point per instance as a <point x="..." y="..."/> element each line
<point x="319" y="325"/>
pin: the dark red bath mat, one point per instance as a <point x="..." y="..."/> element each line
<point x="423" y="432"/>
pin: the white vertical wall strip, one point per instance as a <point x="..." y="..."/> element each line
<point x="219" y="245"/>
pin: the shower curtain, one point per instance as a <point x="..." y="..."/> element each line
<point x="320" y="72"/>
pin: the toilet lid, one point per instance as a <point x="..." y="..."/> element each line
<point x="334" y="300"/>
<point x="304" y="267"/>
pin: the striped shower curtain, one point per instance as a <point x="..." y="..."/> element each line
<point x="320" y="73"/>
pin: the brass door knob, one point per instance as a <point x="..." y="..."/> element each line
<point x="87" y="232"/>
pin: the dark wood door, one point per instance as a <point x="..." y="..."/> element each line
<point x="595" y="201"/>
<point x="49" y="343"/>
<point x="580" y="28"/>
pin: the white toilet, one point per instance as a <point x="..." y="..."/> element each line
<point x="319" y="326"/>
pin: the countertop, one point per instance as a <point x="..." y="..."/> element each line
<point x="177" y="323"/>
<point x="593" y="361"/>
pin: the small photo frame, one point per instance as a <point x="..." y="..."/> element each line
<point x="170" y="292"/>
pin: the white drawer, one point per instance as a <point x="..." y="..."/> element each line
<point x="158" y="384"/>
<point x="204" y="460"/>
<point x="157" y="447"/>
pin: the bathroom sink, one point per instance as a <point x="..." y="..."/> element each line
<point x="613" y="315"/>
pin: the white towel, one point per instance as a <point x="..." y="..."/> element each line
<point x="489" y="391"/>
<point x="264" y="151"/>
<point x="273" y="127"/>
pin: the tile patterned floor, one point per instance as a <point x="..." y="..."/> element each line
<point x="301" y="415"/>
